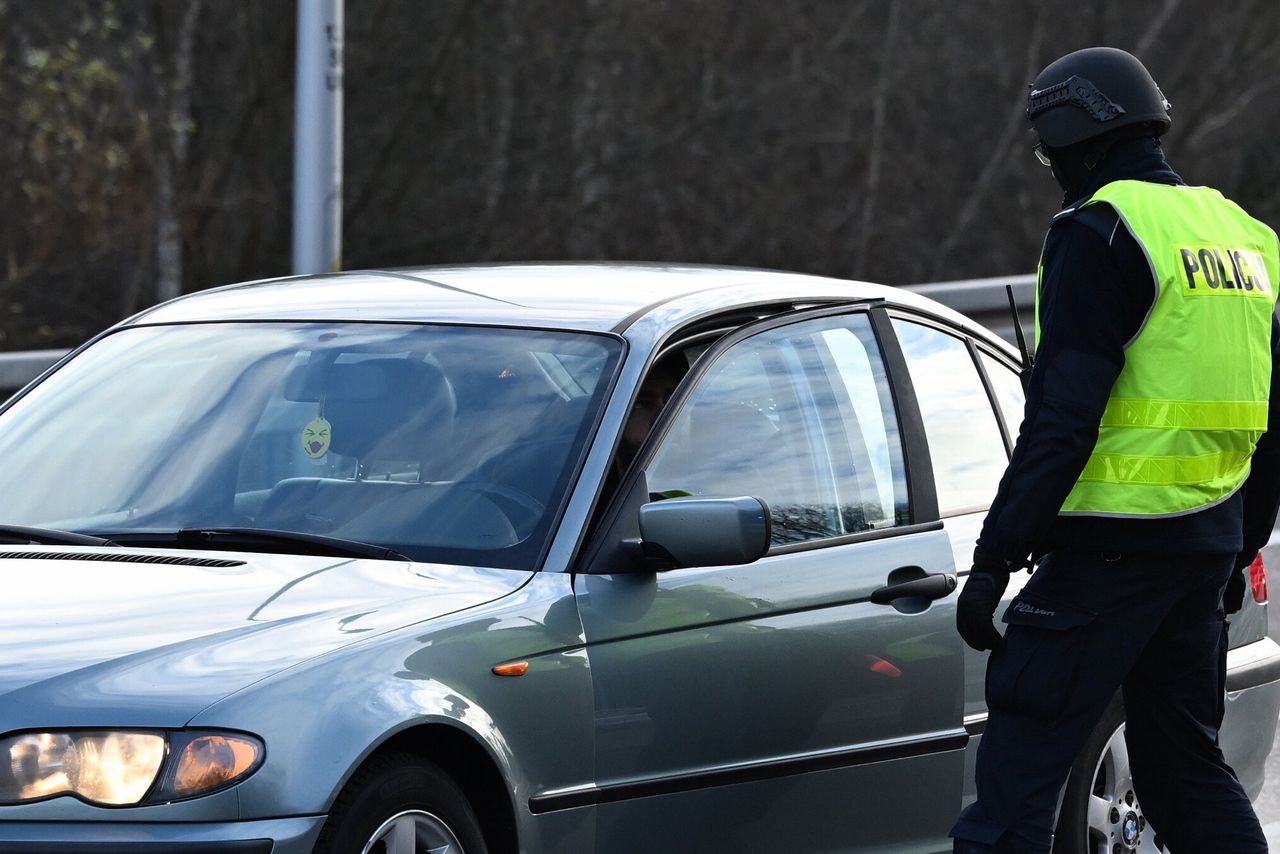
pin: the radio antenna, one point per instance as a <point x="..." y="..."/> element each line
<point x="1027" y="360"/>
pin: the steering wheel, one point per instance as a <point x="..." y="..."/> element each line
<point x="529" y="510"/>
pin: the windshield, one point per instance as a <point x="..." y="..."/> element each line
<point x="448" y="444"/>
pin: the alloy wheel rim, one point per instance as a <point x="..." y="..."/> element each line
<point x="1114" y="817"/>
<point x="413" y="832"/>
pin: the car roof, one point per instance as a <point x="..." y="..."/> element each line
<point x="598" y="297"/>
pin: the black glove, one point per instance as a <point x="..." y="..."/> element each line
<point x="1233" y="596"/>
<point x="976" y="609"/>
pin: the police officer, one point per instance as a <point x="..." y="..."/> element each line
<point x="1143" y="480"/>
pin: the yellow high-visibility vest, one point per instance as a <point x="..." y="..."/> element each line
<point x="1189" y="406"/>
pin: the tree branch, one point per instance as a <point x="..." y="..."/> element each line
<point x="1156" y="27"/>
<point x="1015" y="123"/>
<point x="874" y="157"/>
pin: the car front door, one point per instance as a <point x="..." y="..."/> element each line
<point x="961" y="388"/>
<point x="776" y="706"/>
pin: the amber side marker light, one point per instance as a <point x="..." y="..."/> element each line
<point x="514" y="668"/>
<point x="212" y="761"/>
<point x="1258" y="580"/>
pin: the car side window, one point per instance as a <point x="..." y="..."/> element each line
<point x="799" y="416"/>
<point x="1007" y="387"/>
<point x="875" y="490"/>
<point x="964" y="437"/>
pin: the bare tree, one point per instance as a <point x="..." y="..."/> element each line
<point x="171" y="148"/>
<point x="148" y="142"/>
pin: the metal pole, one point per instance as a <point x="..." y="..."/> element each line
<point x="317" y="143"/>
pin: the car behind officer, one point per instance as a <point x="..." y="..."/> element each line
<point x="1143" y="474"/>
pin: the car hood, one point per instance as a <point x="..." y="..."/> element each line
<point x="98" y="637"/>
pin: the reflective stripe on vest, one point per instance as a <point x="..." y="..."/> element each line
<point x="1189" y="405"/>
<point x="1186" y="414"/>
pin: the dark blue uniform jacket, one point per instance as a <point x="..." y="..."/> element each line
<point x="1097" y="288"/>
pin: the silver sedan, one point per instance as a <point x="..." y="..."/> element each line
<point x="547" y="558"/>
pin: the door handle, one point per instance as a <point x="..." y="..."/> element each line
<point x="933" y="586"/>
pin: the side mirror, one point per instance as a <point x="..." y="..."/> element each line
<point x="703" y="531"/>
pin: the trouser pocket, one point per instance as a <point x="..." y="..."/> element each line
<point x="1036" y="670"/>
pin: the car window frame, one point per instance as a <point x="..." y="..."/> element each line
<point x="601" y="547"/>
<point x="974" y="346"/>
<point x="981" y="348"/>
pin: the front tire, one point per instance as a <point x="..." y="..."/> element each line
<point x="398" y="803"/>
<point x="1100" y="813"/>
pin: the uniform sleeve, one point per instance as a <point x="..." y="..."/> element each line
<point x="1262" y="489"/>
<point x="1091" y="306"/>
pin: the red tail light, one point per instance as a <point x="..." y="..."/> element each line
<point x="1258" y="580"/>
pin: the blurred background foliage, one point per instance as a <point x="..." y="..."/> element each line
<point x="147" y="144"/>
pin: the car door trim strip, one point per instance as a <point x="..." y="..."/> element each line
<point x="857" y="537"/>
<point x="1253" y="664"/>
<point x="748" y="772"/>
<point x="229" y="846"/>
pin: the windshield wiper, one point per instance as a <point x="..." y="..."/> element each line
<point x="48" y="537"/>
<point x="231" y="538"/>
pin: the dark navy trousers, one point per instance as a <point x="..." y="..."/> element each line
<point x="1088" y="624"/>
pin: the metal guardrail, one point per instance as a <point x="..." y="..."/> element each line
<point x="985" y="301"/>
<point x="982" y="299"/>
<point x="18" y="369"/>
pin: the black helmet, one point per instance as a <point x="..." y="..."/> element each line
<point x="1092" y="92"/>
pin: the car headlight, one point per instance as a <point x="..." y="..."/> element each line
<point x="123" y="767"/>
